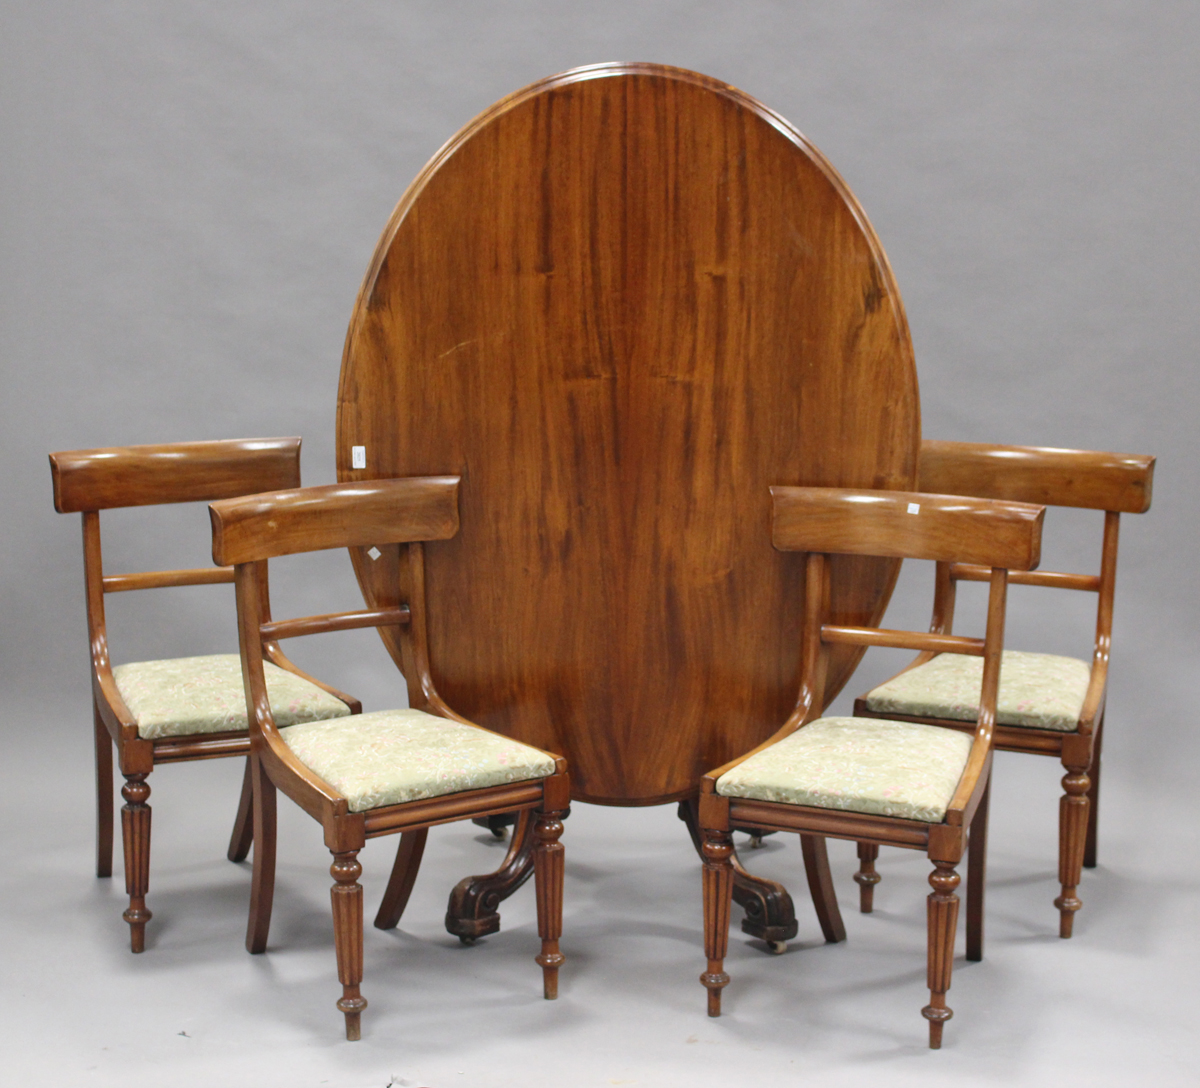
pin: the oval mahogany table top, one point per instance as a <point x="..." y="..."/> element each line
<point x="621" y="304"/>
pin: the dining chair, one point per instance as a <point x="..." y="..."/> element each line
<point x="387" y="771"/>
<point x="169" y="711"/>
<point x="1048" y="704"/>
<point x="922" y="787"/>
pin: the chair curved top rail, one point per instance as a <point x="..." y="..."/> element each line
<point x="620" y="304"/>
<point x="103" y="479"/>
<point x="1120" y="482"/>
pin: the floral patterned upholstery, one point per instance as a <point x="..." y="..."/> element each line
<point x="392" y="756"/>
<point x="859" y="765"/>
<point x="1040" y="691"/>
<point x="186" y="695"/>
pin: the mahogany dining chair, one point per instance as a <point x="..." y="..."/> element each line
<point x="387" y="771"/>
<point x="1048" y="704"/>
<point x="918" y="786"/>
<point x="169" y="711"/>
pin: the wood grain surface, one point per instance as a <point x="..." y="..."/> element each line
<point x="621" y="304"/>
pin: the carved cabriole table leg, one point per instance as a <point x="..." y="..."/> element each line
<point x="473" y="910"/>
<point x="770" y="915"/>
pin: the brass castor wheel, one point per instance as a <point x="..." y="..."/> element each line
<point x="777" y="947"/>
<point x="466" y="940"/>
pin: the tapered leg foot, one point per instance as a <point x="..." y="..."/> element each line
<point x="404" y="876"/>
<point x="1072" y="837"/>
<point x="243" y="824"/>
<point x="977" y="876"/>
<point x="942" y="922"/>
<point x="262" y="880"/>
<point x="820" y="886"/>
<point x="104" y="795"/>
<point x="135" y="831"/>
<point x="548" y="881"/>
<point x="1089" y="850"/>
<point x="717" y="851"/>
<point x="866" y="878"/>
<point x="347" y="899"/>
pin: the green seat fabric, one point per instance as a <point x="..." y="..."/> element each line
<point x="859" y="765"/>
<point x="185" y="695"/>
<point x="392" y="756"/>
<point x="1039" y="691"/>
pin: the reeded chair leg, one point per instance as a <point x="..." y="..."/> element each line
<point x="943" y="922"/>
<point x="135" y="832"/>
<point x="347" y="897"/>
<point x="262" y="880"/>
<point x="243" y="824"/>
<point x="866" y="878"/>
<point x="548" y="882"/>
<point x="977" y="876"/>
<point x="1072" y="839"/>
<point x="717" y="850"/>
<point x="104" y="795"/>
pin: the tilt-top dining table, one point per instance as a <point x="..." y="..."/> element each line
<point x="621" y="304"/>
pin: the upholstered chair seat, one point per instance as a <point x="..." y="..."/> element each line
<point x="187" y="695"/>
<point x="393" y="756"/>
<point x="858" y="765"/>
<point x="1038" y="691"/>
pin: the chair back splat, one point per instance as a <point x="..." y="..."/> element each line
<point x="387" y="771"/>
<point x="890" y="782"/>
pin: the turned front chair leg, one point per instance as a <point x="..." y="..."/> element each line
<point x="104" y="795"/>
<point x="347" y="897"/>
<point x="943" y="922"/>
<point x="548" y="883"/>
<point x="866" y="878"/>
<point x="243" y="823"/>
<point x="717" y="850"/>
<point x="1072" y="839"/>
<point x="135" y="832"/>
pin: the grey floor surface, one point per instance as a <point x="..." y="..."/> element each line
<point x="1117" y="1004"/>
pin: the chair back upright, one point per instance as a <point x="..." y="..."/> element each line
<point x="385" y="519"/>
<point x="88" y="481"/>
<point x="1114" y="483"/>
<point x="997" y="536"/>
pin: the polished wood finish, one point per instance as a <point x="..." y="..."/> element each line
<point x="87" y="482"/>
<point x="620" y="304"/>
<point x="116" y="476"/>
<point x="350" y="515"/>
<point x="1122" y="482"/>
<point x="843" y="518"/>
<point x="395" y="517"/>
<point x="906" y="525"/>
<point x="1112" y="482"/>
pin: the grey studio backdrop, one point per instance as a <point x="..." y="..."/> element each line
<point x="191" y="194"/>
